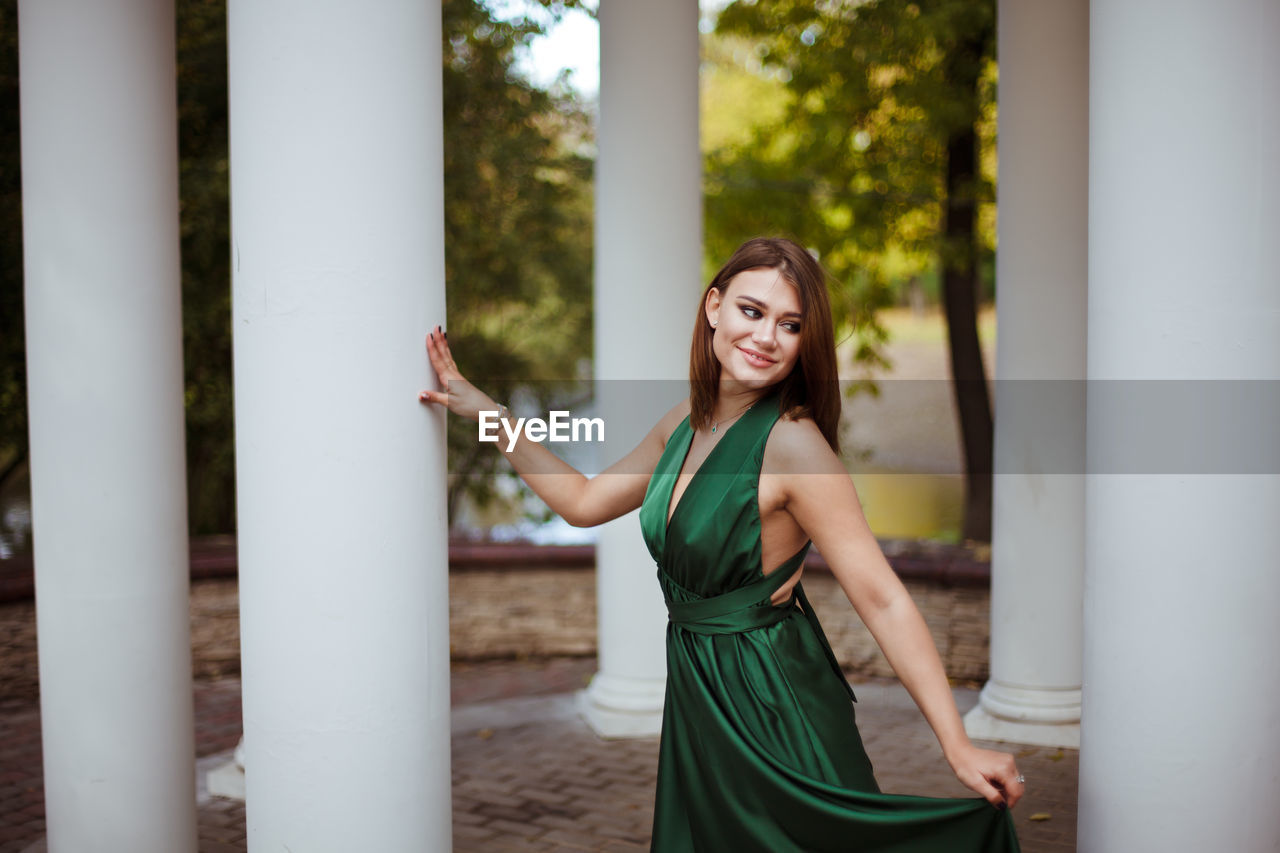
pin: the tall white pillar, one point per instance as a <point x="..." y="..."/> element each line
<point x="648" y="266"/>
<point x="1180" y="742"/>
<point x="1037" y="564"/>
<point x="338" y="260"/>
<point x="104" y="372"/>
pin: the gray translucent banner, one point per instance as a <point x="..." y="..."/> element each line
<point x="911" y="426"/>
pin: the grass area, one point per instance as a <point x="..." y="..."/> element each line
<point x="929" y="326"/>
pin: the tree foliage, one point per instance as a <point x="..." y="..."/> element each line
<point x="876" y="89"/>
<point x="13" y="383"/>
<point x="517" y="232"/>
<point x="204" y="189"/>
<point x="876" y="162"/>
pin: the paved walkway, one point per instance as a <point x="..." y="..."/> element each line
<point x="539" y="780"/>
<point x="528" y="774"/>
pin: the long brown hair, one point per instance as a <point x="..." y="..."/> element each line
<point x="812" y="387"/>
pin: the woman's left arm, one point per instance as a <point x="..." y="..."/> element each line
<point x="818" y="493"/>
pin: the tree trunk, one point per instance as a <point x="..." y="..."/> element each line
<point x="960" y="301"/>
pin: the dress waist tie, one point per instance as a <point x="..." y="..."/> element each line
<point x="748" y="608"/>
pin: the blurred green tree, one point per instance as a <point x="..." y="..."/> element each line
<point x="204" y="191"/>
<point x="13" y="378"/>
<point x="875" y="162"/>
<point x="518" y="233"/>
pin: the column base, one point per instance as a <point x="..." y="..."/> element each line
<point x="227" y="778"/>
<point x="1041" y="717"/>
<point x="623" y="707"/>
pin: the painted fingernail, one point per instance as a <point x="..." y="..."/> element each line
<point x="446" y="336"/>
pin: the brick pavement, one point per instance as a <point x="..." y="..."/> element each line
<point x="552" y="785"/>
<point x="539" y="780"/>
<point x="527" y="774"/>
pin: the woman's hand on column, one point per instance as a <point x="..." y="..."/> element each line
<point x="992" y="774"/>
<point x="459" y="396"/>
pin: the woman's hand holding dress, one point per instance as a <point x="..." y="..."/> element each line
<point x="991" y="774"/>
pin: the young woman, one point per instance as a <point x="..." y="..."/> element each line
<point x="760" y="750"/>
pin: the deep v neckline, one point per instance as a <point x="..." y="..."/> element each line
<point x="684" y="457"/>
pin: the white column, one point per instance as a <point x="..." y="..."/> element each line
<point x="338" y="260"/>
<point x="1181" y="676"/>
<point x="1037" y="564"/>
<point x="648" y="266"/>
<point x="104" y="372"/>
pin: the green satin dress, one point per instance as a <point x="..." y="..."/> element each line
<point x="760" y="750"/>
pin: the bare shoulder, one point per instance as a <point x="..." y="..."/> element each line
<point x="667" y="423"/>
<point x="797" y="446"/>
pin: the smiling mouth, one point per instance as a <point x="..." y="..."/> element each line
<point x="755" y="357"/>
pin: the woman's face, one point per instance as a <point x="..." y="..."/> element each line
<point x="756" y="334"/>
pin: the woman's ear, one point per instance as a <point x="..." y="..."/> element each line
<point x="712" y="306"/>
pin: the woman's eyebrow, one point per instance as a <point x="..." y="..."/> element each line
<point x="765" y="306"/>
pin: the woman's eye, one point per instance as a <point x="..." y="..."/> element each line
<point x="755" y="314"/>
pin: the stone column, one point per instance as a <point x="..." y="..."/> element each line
<point x="648" y="262"/>
<point x="338" y="259"/>
<point x="104" y="373"/>
<point x="1179" y="745"/>
<point x="1042" y="266"/>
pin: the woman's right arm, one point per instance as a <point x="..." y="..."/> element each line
<point x="580" y="500"/>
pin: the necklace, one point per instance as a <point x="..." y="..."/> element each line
<point x="715" y="424"/>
